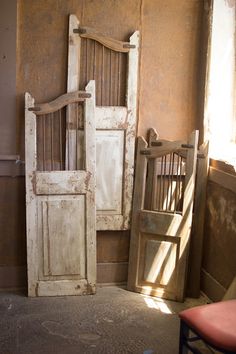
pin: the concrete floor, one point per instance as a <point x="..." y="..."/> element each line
<point x="112" y="321"/>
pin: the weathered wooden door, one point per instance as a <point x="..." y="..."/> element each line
<point x="161" y="219"/>
<point x="113" y="65"/>
<point x="60" y="204"/>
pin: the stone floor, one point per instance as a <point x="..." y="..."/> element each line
<point x="112" y="321"/>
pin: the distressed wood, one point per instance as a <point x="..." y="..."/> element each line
<point x="58" y="103"/>
<point x="132" y="87"/>
<point x="115" y="124"/>
<point x="62" y="182"/>
<point x="160" y="240"/>
<point x="111" y="118"/>
<point x="138" y="204"/>
<point x="63" y="288"/>
<point x="63" y="252"/>
<point x="73" y="72"/>
<point x="111" y="43"/>
<point x="109" y="182"/>
<point x="31" y="202"/>
<point x="196" y="242"/>
<point x="61" y="230"/>
<point x="90" y="166"/>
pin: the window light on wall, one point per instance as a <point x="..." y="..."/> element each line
<point x="219" y="117"/>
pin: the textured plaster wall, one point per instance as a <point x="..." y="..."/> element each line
<point x="168" y="83"/>
<point x="170" y="54"/>
<point x="170" y="70"/>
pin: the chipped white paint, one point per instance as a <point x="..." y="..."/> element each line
<point x="121" y="118"/>
<point x="31" y="202"/>
<point x="62" y="182"/>
<point x="61" y="233"/>
<point x="113" y="208"/>
<point x="72" y="85"/>
<point x="109" y="148"/>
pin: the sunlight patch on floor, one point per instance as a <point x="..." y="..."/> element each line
<point x="158" y="304"/>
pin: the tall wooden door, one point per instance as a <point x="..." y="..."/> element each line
<point x="161" y="219"/>
<point x="60" y="204"/>
<point x="113" y="65"/>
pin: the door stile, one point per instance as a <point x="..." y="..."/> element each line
<point x="31" y="201"/>
<point x="138" y="204"/>
<point x="73" y="76"/>
<point x="90" y="162"/>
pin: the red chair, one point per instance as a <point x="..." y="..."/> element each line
<point x="214" y="324"/>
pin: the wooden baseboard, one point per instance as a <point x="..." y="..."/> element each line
<point x="211" y="287"/>
<point x="112" y="273"/>
<point x="13" y="277"/>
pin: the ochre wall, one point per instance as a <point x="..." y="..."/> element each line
<point x="168" y="82"/>
<point x="170" y="56"/>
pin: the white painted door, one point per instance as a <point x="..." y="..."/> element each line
<point x="60" y="204"/>
<point x="113" y="65"/>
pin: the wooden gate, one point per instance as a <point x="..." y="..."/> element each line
<point x="113" y="65"/>
<point x="162" y="215"/>
<point x="60" y="204"/>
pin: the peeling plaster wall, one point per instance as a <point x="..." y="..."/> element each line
<point x="219" y="249"/>
<point x="169" y="81"/>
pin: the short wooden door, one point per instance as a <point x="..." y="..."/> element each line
<point x="161" y="219"/>
<point x="61" y="234"/>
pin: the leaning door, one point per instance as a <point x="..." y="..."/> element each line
<point x="162" y="214"/>
<point x="113" y="65"/>
<point x="61" y="235"/>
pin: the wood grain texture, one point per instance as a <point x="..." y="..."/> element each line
<point x="61" y="230"/>
<point x="31" y="202"/>
<point x="197" y="234"/>
<point x="73" y="75"/>
<point x="109" y="180"/>
<point x="160" y="240"/>
<point x="62" y="182"/>
<point x="110" y="43"/>
<point x="64" y="236"/>
<point x="58" y="103"/>
<point x="109" y="69"/>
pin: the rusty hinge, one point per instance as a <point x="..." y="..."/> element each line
<point x="84" y="95"/>
<point x="34" y="109"/>
<point x="156" y="143"/>
<point x="79" y="30"/>
<point x="187" y="146"/>
<point x="145" y="152"/>
<point x="127" y="45"/>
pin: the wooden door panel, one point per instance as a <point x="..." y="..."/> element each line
<point x="63" y="235"/>
<point x="61" y="182"/>
<point x="109" y="180"/>
<point x="162" y="223"/>
<point x="63" y="288"/>
<point x="160" y="261"/>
